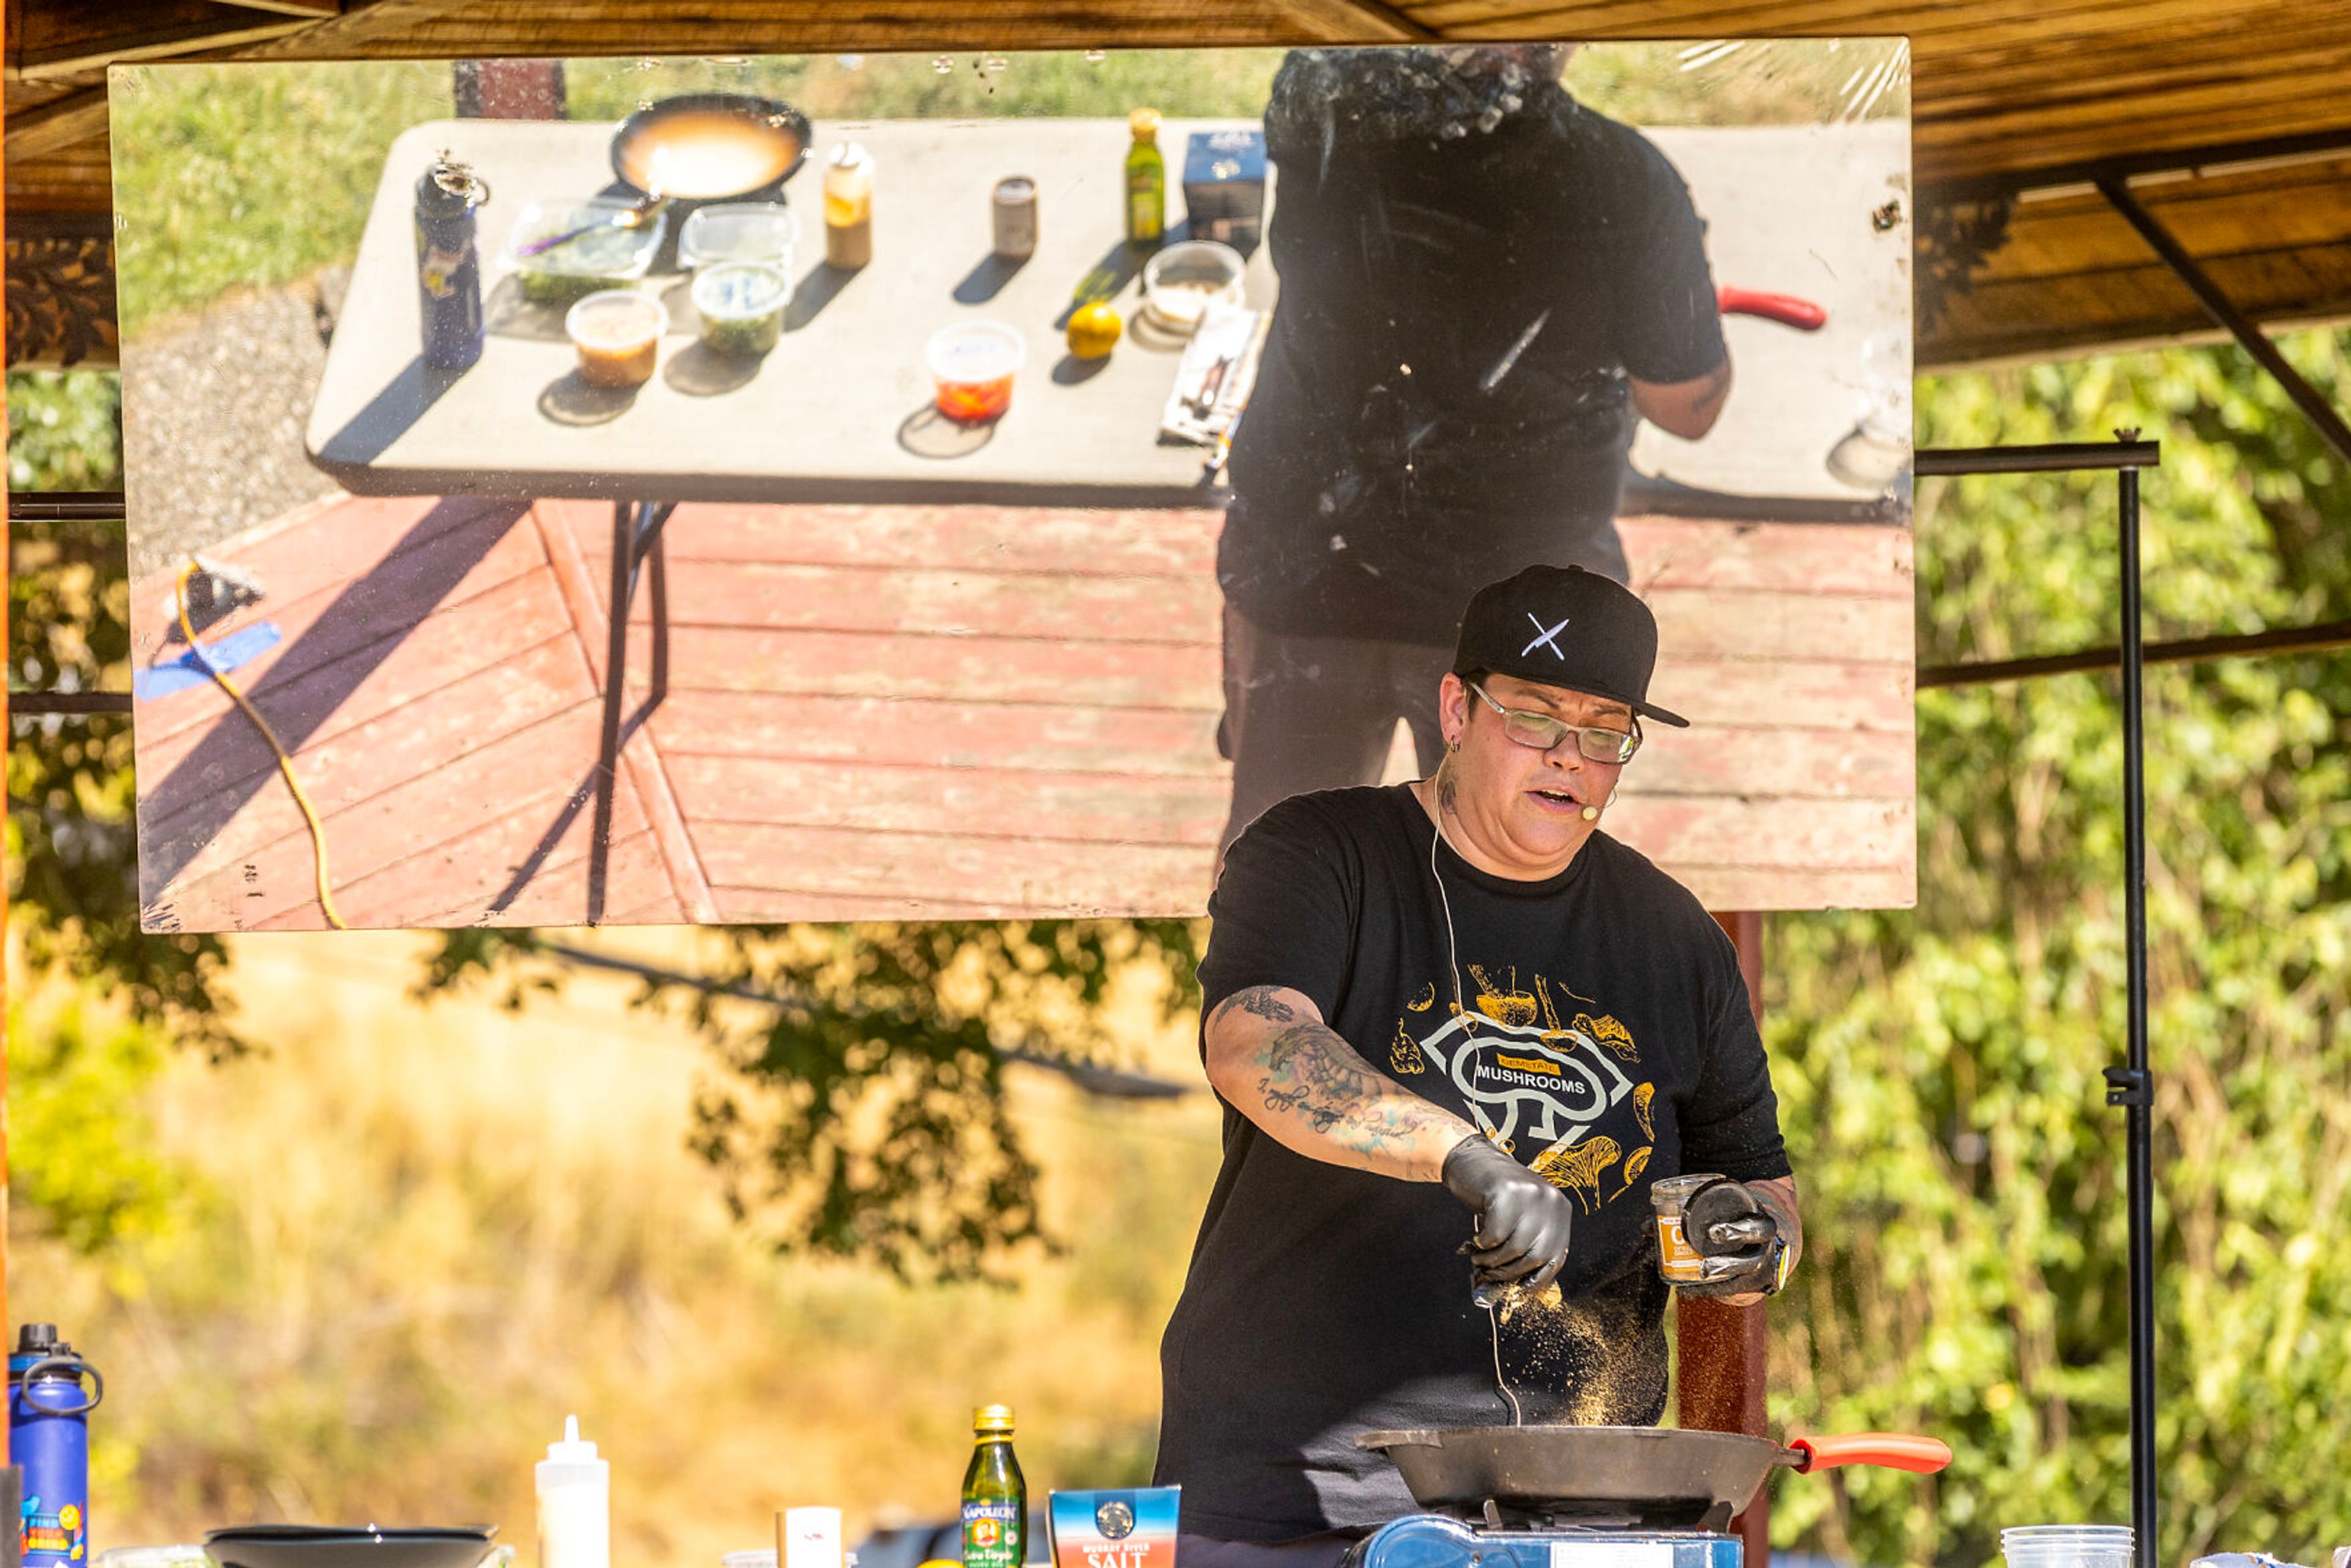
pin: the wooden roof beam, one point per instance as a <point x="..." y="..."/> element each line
<point x="311" y="10"/>
<point x="2225" y="157"/>
<point x="1354" y="21"/>
<point x="59" y="38"/>
<point x="60" y="124"/>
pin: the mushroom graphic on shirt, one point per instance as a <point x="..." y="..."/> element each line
<point x="1635" y="1163"/>
<point x="1577" y="1167"/>
<point x="1510" y="1007"/>
<point x="1607" y="1031"/>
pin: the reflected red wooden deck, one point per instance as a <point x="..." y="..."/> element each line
<point x="911" y="712"/>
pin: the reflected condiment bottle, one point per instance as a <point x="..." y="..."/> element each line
<point x="849" y="207"/>
<point x="1147" y="181"/>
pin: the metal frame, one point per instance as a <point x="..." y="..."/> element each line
<point x="2110" y="178"/>
<point x="2315" y="407"/>
<point x="2313" y="639"/>
<point x="2131" y="1085"/>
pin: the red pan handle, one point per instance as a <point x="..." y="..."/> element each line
<point x="1896" y="1450"/>
<point x="1784" y="309"/>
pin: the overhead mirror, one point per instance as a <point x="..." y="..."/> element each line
<point x="1016" y="470"/>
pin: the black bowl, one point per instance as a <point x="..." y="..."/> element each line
<point x="723" y="146"/>
<point x="329" y="1546"/>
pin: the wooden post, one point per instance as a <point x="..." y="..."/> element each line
<point x="1725" y="1351"/>
<point x="508" y="90"/>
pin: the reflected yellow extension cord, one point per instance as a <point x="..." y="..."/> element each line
<point x="285" y="763"/>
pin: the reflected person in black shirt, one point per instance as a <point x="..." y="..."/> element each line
<point x="1483" y="284"/>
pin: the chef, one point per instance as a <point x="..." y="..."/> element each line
<point x="1460" y="1030"/>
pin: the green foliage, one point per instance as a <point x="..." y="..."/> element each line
<point x="65" y="430"/>
<point x="72" y="850"/>
<point x="79" y="1147"/>
<point x="78" y="1144"/>
<point x="1220" y="83"/>
<point x="1776" y="82"/>
<point x="1751" y="81"/>
<point x="1940" y="1070"/>
<point x="244" y="176"/>
<point x="864" y="1116"/>
<point x="237" y="176"/>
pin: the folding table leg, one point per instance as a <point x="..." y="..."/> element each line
<point x="636" y="534"/>
<point x="616" y="664"/>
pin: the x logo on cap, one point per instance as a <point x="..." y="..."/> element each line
<point x="1545" y="637"/>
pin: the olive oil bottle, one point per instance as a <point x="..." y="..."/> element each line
<point x="1146" y="181"/>
<point x="995" y="1494"/>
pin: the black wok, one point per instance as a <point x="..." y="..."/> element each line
<point x="1657" y="1475"/>
<point x="332" y="1546"/>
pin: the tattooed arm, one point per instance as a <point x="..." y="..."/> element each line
<point x="1274" y="1058"/>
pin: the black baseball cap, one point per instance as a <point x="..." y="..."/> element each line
<point x="1565" y="626"/>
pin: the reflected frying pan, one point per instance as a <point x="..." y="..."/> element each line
<point x="710" y="146"/>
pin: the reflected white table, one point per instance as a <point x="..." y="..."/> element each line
<point x="841" y="410"/>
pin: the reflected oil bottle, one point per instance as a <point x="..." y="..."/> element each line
<point x="1146" y="181"/>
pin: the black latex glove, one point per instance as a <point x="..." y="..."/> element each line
<point x="1737" y="1239"/>
<point x="1522" y="1220"/>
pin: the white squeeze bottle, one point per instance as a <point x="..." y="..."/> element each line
<point x="575" y="1504"/>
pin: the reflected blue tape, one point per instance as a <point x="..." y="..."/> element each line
<point x="174" y="675"/>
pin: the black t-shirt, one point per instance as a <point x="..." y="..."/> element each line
<point x="1607" y="1043"/>
<point x="1442" y="399"/>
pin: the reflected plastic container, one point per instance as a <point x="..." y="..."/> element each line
<point x="2067" y="1546"/>
<point x="618" y="335"/>
<point x="739" y="231"/>
<point x="972" y="365"/>
<point x="610" y="257"/>
<point x="741" y="304"/>
<point x="1181" y="282"/>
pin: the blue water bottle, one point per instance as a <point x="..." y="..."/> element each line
<point x="449" y="263"/>
<point x="48" y="1437"/>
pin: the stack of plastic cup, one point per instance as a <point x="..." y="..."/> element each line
<point x="2067" y="1546"/>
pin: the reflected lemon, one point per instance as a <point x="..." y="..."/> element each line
<point x="1092" y="333"/>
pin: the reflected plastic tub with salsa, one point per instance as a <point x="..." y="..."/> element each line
<point x="972" y="366"/>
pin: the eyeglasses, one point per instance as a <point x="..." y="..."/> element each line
<point x="1541" y="732"/>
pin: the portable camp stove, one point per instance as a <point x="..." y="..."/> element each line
<point x="1507" y="1538"/>
<point x="1594" y="1496"/>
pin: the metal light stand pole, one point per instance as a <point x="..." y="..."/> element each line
<point x="2131" y="1085"/>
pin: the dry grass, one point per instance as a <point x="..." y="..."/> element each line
<point x="416" y="1237"/>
